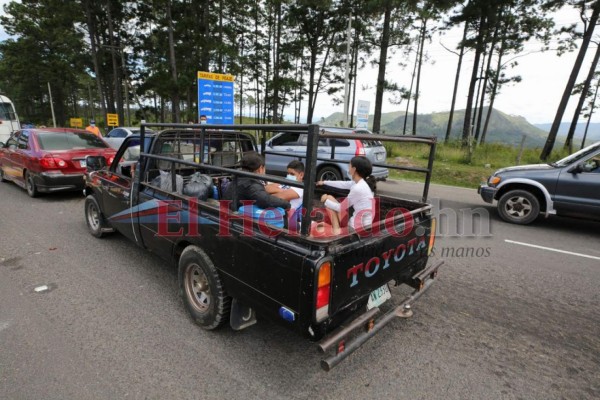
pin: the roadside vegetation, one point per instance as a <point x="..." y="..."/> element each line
<point x="452" y="165"/>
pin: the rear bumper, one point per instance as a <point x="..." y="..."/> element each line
<point x="380" y="173"/>
<point x="487" y="193"/>
<point x="46" y="182"/>
<point x="338" y="338"/>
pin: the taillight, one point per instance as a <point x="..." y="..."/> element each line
<point x="360" y="148"/>
<point x="323" y="291"/>
<point x="50" y="162"/>
<point x="431" y="237"/>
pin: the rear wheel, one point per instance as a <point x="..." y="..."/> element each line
<point x="202" y="290"/>
<point x="93" y="217"/>
<point x="519" y="207"/>
<point x="32" y="189"/>
<point x="329" y="174"/>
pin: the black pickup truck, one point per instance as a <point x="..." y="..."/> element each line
<point x="164" y="192"/>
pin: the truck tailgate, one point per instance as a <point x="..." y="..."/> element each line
<point x="360" y="267"/>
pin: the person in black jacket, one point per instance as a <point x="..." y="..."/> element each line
<point x="254" y="189"/>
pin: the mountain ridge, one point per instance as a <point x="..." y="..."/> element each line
<point x="503" y="128"/>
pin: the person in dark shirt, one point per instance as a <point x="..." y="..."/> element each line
<point x="254" y="189"/>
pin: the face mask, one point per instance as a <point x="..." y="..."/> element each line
<point x="349" y="174"/>
<point x="291" y="177"/>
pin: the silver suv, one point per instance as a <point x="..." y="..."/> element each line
<point x="293" y="145"/>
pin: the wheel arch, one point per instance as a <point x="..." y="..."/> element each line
<point x="178" y="249"/>
<point x="534" y="187"/>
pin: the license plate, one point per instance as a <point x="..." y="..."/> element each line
<point x="379" y="296"/>
<point x="379" y="156"/>
<point x="82" y="163"/>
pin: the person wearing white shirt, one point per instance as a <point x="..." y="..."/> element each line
<point x="360" y="197"/>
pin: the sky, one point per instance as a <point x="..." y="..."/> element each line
<point x="536" y="97"/>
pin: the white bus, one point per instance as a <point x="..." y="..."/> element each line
<point x="9" y="121"/>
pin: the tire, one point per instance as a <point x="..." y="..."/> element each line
<point x="329" y="174"/>
<point x="519" y="207"/>
<point x="30" y="186"/>
<point x="202" y="290"/>
<point x="94" y="219"/>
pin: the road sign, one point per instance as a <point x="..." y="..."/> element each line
<point x="112" y="119"/>
<point x="215" y="98"/>
<point x="362" y="114"/>
<point x="76" y="122"/>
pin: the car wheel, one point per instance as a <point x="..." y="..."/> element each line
<point x="329" y="174"/>
<point x="519" y="207"/>
<point x="32" y="190"/>
<point x="202" y="290"/>
<point x="93" y="217"/>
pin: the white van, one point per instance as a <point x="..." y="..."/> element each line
<point x="9" y="121"/>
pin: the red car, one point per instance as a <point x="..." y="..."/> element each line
<point x="50" y="159"/>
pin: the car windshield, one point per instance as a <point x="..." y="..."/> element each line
<point x="69" y="141"/>
<point x="581" y="154"/>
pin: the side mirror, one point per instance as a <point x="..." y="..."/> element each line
<point x="270" y="144"/>
<point x="576" y="169"/>
<point x="95" y="163"/>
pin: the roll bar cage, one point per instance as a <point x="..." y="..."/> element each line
<point x="201" y="131"/>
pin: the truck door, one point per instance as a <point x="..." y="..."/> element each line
<point x="579" y="192"/>
<point x="156" y="208"/>
<point x="117" y="189"/>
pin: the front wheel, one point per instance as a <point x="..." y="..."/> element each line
<point x="93" y="217"/>
<point x="519" y="207"/>
<point x="329" y="174"/>
<point x="30" y="185"/>
<point x="202" y="290"/>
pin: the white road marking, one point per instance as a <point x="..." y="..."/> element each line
<point x="551" y="249"/>
<point x="42" y="288"/>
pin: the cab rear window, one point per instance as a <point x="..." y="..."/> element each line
<point x="69" y="141"/>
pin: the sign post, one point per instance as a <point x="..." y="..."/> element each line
<point x="112" y="119"/>
<point x="215" y="98"/>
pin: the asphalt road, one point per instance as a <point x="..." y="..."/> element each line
<point x="504" y="321"/>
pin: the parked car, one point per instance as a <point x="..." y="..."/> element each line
<point x="286" y="146"/>
<point x="115" y="137"/>
<point x="48" y="160"/>
<point x="570" y="186"/>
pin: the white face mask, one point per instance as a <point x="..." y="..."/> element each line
<point x="349" y="174"/>
<point x="291" y="177"/>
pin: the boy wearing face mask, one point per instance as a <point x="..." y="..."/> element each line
<point x="295" y="172"/>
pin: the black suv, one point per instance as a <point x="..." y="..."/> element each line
<point x="570" y="186"/>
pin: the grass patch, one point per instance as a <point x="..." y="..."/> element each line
<point x="452" y="165"/>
